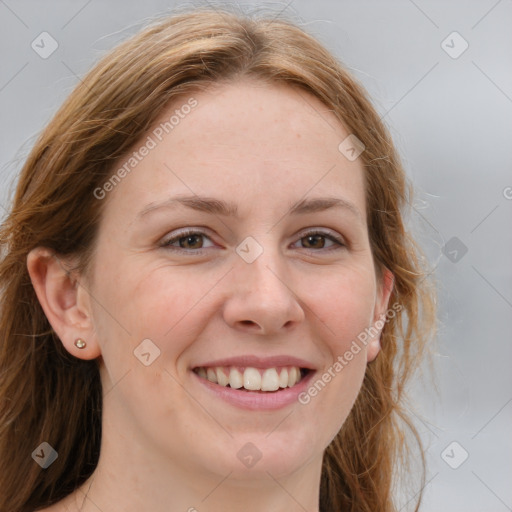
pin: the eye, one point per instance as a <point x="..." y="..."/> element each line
<point x="316" y="240"/>
<point x="187" y="240"/>
<point x="192" y="241"/>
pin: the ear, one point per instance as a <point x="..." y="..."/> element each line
<point x="65" y="302"/>
<point x="384" y="289"/>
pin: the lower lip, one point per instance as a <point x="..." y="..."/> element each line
<point x="257" y="401"/>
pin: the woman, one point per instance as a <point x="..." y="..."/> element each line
<point x="210" y="300"/>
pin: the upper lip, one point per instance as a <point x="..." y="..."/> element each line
<point x="258" y="362"/>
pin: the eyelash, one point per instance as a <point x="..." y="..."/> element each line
<point x="166" y="244"/>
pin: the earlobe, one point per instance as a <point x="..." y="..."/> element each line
<point x="57" y="291"/>
<point x="383" y="294"/>
<point x="373" y="348"/>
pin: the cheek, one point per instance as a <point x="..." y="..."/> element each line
<point x="167" y="305"/>
<point x="147" y="302"/>
<point x="345" y="305"/>
<point x="344" y="309"/>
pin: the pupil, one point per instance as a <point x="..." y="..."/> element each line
<point x="313" y="238"/>
<point x="189" y="240"/>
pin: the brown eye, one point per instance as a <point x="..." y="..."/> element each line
<point x="191" y="242"/>
<point x="188" y="241"/>
<point x="316" y="240"/>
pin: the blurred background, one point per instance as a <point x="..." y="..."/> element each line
<point x="440" y="75"/>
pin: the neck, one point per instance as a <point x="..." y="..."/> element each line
<point x="132" y="478"/>
<point x="133" y="490"/>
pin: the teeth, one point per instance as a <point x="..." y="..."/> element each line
<point x="235" y="378"/>
<point x="293" y="376"/>
<point x="283" y="378"/>
<point x="270" y="380"/>
<point x="210" y="375"/>
<point x="222" y="378"/>
<point x="252" y="379"/>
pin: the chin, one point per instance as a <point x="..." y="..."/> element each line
<point x="276" y="453"/>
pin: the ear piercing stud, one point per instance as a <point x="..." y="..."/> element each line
<point x="80" y="343"/>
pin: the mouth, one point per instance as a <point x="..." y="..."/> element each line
<point x="262" y="380"/>
<point x="254" y="383"/>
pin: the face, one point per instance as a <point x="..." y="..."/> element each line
<point x="215" y="255"/>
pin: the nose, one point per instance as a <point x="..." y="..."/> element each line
<point x="262" y="299"/>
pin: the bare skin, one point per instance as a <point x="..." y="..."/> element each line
<point x="169" y="444"/>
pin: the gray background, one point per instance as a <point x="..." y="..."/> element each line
<point x="451" y="119"/>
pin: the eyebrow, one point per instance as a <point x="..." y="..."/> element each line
<point x="229" y="209"/>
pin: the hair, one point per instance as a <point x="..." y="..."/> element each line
<point x="48" y="395"/>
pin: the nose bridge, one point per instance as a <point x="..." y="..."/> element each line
<point x="263" y="267"/>
<point x="262" y="293"/>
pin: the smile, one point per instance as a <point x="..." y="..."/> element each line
<point x="253" y="379"/>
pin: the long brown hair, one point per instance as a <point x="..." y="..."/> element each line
<point x="48" y="395"/>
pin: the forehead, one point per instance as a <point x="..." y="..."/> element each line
<point x="258" y="144"/>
